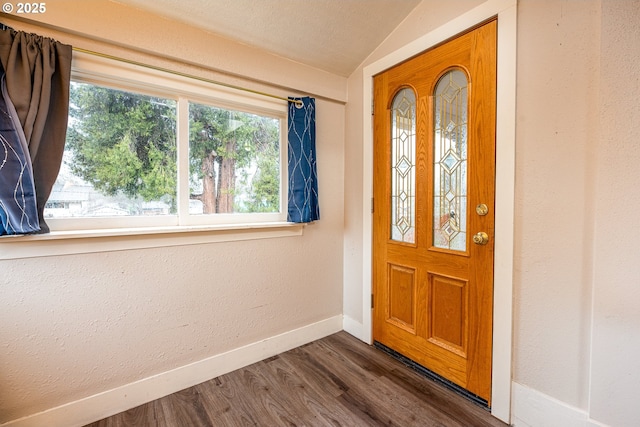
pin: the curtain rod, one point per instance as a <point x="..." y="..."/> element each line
<point x="181" y="74"/>
<point x="140" y="64"/>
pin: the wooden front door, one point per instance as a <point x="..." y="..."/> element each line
<point x="433" y="220"/>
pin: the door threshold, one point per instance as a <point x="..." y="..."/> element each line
<point x="433" y="376"/>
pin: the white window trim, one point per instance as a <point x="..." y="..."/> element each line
<point x="108" y="240"/>
<point x="87" y="235"/>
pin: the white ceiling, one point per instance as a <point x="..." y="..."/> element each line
<point x="333" y="35"/>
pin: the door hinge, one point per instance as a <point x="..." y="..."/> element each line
<point x="373" y="104"/>
<point x="372" y="301"/>
<point x="372" y="206"/>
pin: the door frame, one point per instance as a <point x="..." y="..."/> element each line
<point x="505" y="10"/>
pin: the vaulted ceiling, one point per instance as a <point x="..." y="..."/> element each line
<point x="332" y="35"/>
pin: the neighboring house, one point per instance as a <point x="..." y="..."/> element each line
<point x="71" y="197"/>
<point x="68" y="200"/>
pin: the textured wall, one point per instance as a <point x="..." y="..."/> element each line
<point x="76" y="325"/>
<point x="616" y="317"/>
<point x="120" y="25"/>
<point x="557" y="119"/>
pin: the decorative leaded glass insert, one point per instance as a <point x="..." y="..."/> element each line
<point x="403" y="169"/>
<point x="450" y="162"/>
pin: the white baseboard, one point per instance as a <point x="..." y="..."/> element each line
<point x="530" y="408"/>
<point x="352" y="327"/>
<point x="102" y="405"/>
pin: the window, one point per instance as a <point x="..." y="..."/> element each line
<point x="450" y="101"/>
<point x="146" y="148"/>
<point x="403" y="166"/>
<point x="120" y="155"/>
<point x="234" y="163"/>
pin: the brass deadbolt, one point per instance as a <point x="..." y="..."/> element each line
<point x="482" y="209"/>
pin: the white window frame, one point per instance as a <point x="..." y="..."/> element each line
<point x="91" y="235"/>
<point x="119" y="75"/>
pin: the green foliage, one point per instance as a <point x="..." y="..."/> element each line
<point x="249" y="143"/>
<point x="216" y="129"/>
<point x="125" y="143"/>
<point x="265" y="184"/>
<point x="120" y="170"/>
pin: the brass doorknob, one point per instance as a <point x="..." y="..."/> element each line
<point x="481" y="238"/>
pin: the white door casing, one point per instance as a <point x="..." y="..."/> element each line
<point x="505" y="10"/>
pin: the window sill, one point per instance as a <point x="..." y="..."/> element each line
<point x="108" y="240"/>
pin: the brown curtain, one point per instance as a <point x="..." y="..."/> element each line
<point x="38" y="74"/>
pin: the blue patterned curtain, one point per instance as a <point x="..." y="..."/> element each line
<point x="36" y="74"/>
<point x="18" y="208"/>
<point x="303" y="178"/>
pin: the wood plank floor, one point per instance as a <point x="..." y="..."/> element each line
<point x="335" y="381"/>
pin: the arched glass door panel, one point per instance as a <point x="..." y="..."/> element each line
<point x="450" y="162"/>
<point x="403" y="166"/>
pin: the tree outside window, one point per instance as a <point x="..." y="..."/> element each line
<point x="120" y="158"/>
